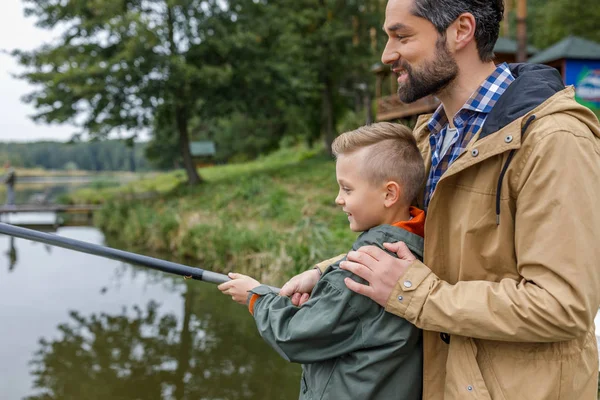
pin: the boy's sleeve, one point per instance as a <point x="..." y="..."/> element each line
<point x="330" y="324"/>
<point x="326" y="326"/>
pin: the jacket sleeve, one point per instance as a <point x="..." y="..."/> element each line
<point x="326" y="326"/>
<point x="323" y="265"/>
<point x="557" y="228"/>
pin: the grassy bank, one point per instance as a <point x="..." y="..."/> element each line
<point x="269" y="218"/>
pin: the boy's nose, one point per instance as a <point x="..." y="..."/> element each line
<point x="338" y="200"/>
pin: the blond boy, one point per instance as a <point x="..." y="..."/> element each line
<point x="350" y="347"/>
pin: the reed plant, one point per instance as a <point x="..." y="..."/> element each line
<point x="270" y="218"/>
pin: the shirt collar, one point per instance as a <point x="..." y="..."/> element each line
<point x="481" y="101"/>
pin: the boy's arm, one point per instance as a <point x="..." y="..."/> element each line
<point x="331" y="323"/>
<point x="326" y="326"/>
<point x="301" y="285"/>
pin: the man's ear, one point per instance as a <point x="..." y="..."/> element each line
<point x="462" y="32"/>
<point x="392" y="193"/>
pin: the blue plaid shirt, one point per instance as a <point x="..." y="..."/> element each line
<point x="468" y="121"/>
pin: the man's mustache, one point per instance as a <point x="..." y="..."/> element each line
<point x="403" y="65"/>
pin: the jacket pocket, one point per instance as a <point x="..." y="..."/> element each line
<point x="520" y="371"/>
<point x="305" y="393"/>
<point x="464" y="379"/>
<point x="317" y="379"/>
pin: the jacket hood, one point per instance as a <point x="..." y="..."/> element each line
<point x="539" y="90"/>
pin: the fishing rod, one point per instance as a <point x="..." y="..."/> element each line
<point x="115" y="254"/>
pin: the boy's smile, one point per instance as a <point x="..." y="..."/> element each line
<point x="361" y="200"/>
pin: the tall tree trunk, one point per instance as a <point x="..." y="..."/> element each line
<point x="132" y="166"/>
<point x="184" y="146"/>
<point x="181" y="112"/>
<point x="328" y="115"/>
<point x="521" y="31"/>
<point x="369" y="117"/>
<point x="185" y="346"/>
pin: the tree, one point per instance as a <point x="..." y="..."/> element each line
<point x="299" y="66"/>
<point x="162" y="150"/>
<point x="552" y="20"/>
<point x="342" y="43"/>
<point x="182" y="68"/>
<point x="119" y="63"/>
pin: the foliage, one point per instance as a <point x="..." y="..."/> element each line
<point x="119" y="64"/>
<point x="203" y="69"/>
<point x="269" y="218"/>
<point x="552" y="20"/>
<point x="105" y="155"/>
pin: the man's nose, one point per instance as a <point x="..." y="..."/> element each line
<point x="390" y="55"/>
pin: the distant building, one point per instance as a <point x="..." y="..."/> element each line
<point x="389" y="107"/>
<point x="203" y="153"/>
<point x="578" y="61"/>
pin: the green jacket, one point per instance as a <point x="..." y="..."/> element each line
<point x="350" y="347"/>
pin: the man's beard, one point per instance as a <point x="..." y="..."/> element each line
<point x="432" y="78"/>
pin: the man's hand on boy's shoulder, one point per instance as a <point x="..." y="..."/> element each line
<point x="379" y="269"/>
<point x="238" y="287"/>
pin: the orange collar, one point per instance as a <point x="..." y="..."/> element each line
<point x="416" y="224"/>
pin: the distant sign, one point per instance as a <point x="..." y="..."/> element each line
<point x="585" y="76"/>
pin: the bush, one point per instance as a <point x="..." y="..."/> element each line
<point x="270" y="218"/>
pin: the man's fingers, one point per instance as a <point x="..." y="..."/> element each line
<point x="358" y="287"/>
<point x="401" y="249"/>
<point x="357" y="269"/>
<point x="404" y="252"/>
<point x="234" y="275"/>
<point x="393" y="247"/>
<point x="373" y="252"/>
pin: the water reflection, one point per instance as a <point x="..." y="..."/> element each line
<point x="146" y="354"/>
<point x="11" y="254"/>
<point x="127" y="333"/>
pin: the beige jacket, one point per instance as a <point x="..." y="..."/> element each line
<point x="514" y="293"/>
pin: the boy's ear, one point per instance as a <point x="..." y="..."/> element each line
<point x="392" y="193"/>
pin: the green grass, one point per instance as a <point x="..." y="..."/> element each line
<point x="269" y="218"/>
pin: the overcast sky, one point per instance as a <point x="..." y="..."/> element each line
<point x="16" y="31"/>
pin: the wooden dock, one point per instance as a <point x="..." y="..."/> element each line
<point x="50" y="208"/>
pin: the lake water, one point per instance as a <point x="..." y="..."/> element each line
<point x="76" y="326"/>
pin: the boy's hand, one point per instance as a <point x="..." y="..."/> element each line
<point x="300" y="286"/>
<point x="238" y="287"/>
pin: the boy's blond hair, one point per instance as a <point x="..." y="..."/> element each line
<point x="393" y="155"/>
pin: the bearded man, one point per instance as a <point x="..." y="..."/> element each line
<point x="510" y="282"/>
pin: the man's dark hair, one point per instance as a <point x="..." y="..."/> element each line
<point x="487" y="13"/>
